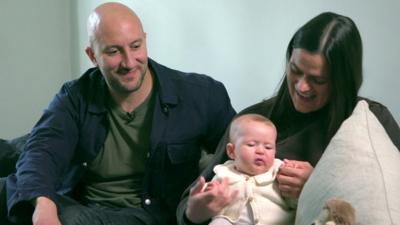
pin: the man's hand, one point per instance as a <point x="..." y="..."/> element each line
<point x="207" y="201"/>
<point x="45" y="212"/>
<point x="292" y="176"/>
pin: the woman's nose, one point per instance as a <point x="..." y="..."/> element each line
<point x="303" y="85"/>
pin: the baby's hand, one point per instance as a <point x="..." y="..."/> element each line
<point x="208" y="187"/>
<point x="208" y="199"/>
<point x="211" y="185"/>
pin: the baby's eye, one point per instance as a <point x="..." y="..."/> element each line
<point x="268" y="147"/>
<point x="250" y="144"/>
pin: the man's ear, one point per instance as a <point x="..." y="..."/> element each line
<point x="90" y="53"/>
<point x="230" y="150"/>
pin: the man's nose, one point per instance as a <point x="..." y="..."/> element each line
<point x="128" y="60"/>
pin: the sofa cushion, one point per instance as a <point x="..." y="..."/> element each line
<point x="8" y="157"/>
<point x="360" y="165"/>
<point x="9" y="153"/>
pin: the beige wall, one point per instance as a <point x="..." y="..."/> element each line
<point x="241" y="43"/>
<point x="35" y="59"/>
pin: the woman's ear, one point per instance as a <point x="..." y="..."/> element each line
<point x="230" y="150"/>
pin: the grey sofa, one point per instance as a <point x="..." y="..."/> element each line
<point x="9" y="154"/>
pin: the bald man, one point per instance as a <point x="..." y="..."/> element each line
<point x="121" y="143"/>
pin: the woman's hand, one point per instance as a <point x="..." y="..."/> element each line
<point x="292" y="176"/>
<point x="208" y="199"/>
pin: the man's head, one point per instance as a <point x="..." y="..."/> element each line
<point x="252" y="143"/>
<point x="118" y="47"/>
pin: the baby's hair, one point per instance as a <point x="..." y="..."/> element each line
<point x="234" y="130"/>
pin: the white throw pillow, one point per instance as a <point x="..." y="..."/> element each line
<point x="360" y="165"/>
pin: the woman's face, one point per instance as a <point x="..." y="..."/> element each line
<point x="308" y="80"/>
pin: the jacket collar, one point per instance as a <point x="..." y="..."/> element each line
<point x="163" y="84"/>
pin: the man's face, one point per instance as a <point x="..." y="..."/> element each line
<point x="308" y="81"/>
<point x="119" y="50"/>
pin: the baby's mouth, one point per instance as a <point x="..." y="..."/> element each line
<point x="259" y="161"/>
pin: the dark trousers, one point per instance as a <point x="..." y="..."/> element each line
<point x="71" y="212"/>
<point x="3" y="202"/>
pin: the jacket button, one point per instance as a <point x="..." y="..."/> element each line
<point x="165" y="108"/>
<point x="147" y="202"/>
<point x="148" y="155"/>
<point x="84" y="164"/>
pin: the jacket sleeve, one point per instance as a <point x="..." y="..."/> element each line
<point x="220" y="157"/>
<point x="388" y="122"/>
<point x="220" y="114"/>
<point x="47" y="153"/>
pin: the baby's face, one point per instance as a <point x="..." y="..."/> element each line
<point x="254" y="150"/>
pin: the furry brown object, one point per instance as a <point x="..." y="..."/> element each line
<point x="337" y="212"/>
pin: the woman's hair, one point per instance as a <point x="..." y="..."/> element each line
<point x="337" y="38"/>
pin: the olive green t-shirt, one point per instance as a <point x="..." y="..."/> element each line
<point x="115" y="176"/>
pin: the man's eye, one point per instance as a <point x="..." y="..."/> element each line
<point x="111" y="51"/>
<point x="136" y="45"/>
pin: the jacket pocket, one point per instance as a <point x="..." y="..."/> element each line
<point x="182" y="153"/>
<point x="180" y="170"/>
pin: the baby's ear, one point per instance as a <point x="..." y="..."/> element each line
<point x="230" y="150"/>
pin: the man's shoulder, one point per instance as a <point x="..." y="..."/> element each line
<point x="90" y="87"/>
<point x="88" y="82"/>
<point x="89" y="77"/>
<point x="177" y="77"/>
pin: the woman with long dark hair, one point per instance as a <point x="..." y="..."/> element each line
<point x="318" y="92"/>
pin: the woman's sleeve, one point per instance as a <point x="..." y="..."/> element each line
<point x="388" y="122"/>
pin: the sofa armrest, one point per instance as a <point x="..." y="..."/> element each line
<point x="9" y="154"/>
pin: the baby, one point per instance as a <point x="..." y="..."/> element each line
<point x="252" y="171"/>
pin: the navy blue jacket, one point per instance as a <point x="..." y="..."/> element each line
<point x="191" y="113"/>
